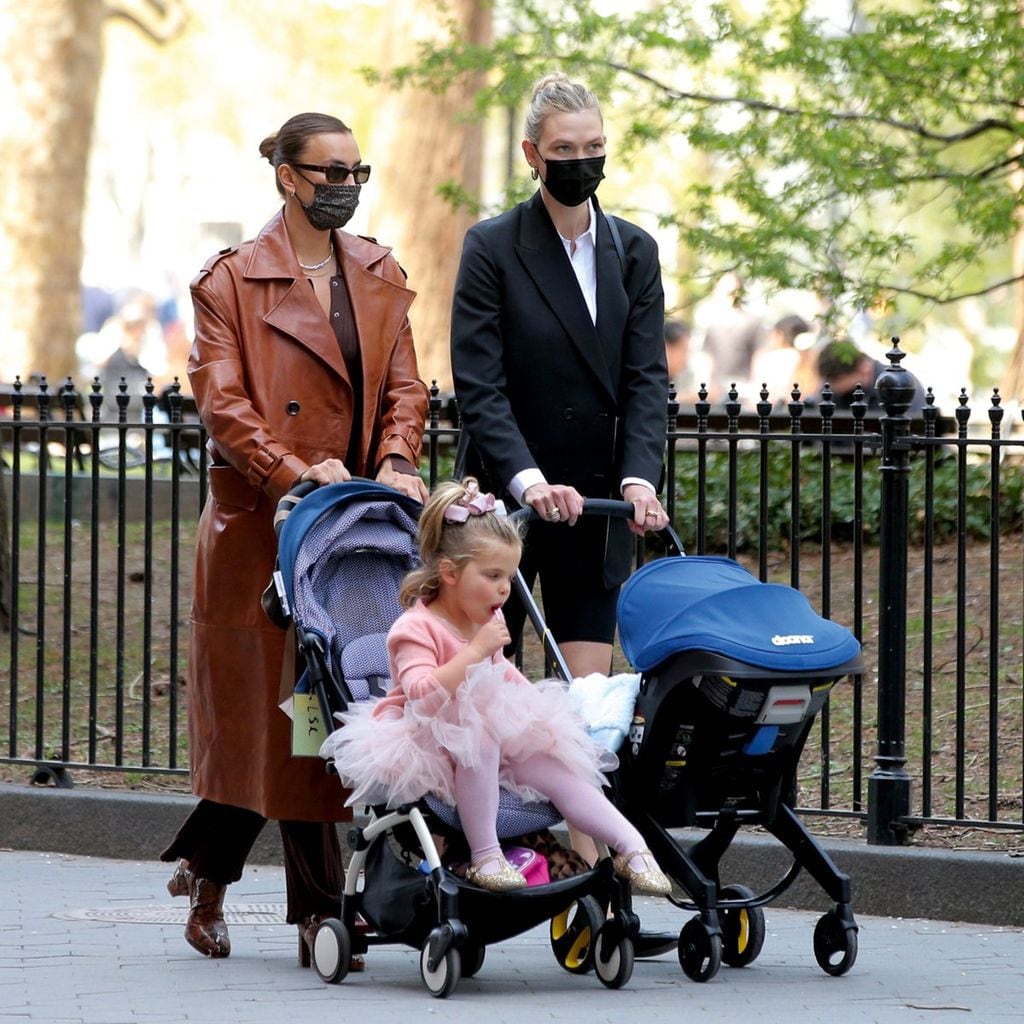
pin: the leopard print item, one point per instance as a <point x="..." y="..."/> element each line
<point x="562" y="862"/>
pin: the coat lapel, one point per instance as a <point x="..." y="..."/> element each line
<point x="379" y="306"/>
<point x="541" y="253"/>
<point x="297" y="313"/>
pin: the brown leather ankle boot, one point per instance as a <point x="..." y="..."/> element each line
<point x="180" y="883"/>
<point x="206" y="929"/>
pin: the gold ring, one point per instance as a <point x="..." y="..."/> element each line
<point x="554" y="514"/>
<point x="653" y="515"/>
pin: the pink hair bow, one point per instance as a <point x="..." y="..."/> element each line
<point x="472" y="504"/>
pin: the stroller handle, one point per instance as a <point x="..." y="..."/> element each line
<point x="607" y="507"/>
<point x="591" y="507"/>
<point x="611" y="509"/>
<point x="287" y="504"/>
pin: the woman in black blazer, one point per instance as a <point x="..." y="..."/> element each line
<point x="559" y="369"/>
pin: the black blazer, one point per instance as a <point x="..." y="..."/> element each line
<point x="538" y="383"/>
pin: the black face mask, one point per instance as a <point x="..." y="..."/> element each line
<point x="332" y="205"/>
<point x="572" y="182"/>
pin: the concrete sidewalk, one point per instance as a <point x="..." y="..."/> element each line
<point x="95" y="941"/>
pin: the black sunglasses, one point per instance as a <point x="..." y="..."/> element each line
<point x="336" y="174"/>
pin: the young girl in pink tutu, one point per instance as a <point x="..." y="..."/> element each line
<point x="460" y="720"/>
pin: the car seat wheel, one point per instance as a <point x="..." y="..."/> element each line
<point x="700" y="952"/>
<point x="472" y="959"/>
<point x="332" y="951"/>
<point x="835" y="944"/>
<point x="440" y="981"/>
<point x="743" y="928"/>
<point x="613" y="956"/>
<point x="573" y="932"/>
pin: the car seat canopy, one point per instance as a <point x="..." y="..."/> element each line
<point x="713" y="604"/>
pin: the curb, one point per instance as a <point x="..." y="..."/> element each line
<point x="946" y="885"/>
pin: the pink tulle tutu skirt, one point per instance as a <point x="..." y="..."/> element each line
<point x="407" y="752"/>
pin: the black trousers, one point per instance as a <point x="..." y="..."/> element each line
<point x="216" y="839"/>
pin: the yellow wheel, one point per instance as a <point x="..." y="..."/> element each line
<point x="573" y="933"/>
<point x="743" y="928"/>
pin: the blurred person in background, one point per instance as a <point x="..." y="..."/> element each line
<point x="677" y="355"/>
<point x="844" y="367"/>
<point x="732" y="334"/>
<point x="787" y="358"/>
<point x="138" y="341"/>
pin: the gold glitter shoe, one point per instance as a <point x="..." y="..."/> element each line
<point x="651" y="882"/>
<point x="505" y="879"/>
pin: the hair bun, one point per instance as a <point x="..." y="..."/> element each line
<point x="267" y="147"/>
<point x="555" y="78"/>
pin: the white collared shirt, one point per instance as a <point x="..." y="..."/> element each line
<point x="582" y="255"/>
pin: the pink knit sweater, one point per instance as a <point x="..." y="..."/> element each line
<point x="418" y="644"/>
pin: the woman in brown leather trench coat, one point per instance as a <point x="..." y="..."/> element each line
<point x="303" y="368"/>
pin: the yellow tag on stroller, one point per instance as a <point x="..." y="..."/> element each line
<point x="309" y="729"/>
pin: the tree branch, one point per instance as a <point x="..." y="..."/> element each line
<point x="945" y="300"/>
<point x="951" y="138"/>
<point x="159" y="20"/>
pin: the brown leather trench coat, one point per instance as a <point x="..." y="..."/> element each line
<point x="274" y="393"/>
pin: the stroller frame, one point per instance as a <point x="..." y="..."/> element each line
<point x="452" y="921"/>
<point x="466" y="919"/>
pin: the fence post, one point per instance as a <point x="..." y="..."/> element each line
<point x="889" y="784"/>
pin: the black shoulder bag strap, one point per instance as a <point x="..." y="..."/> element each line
<point x="613" y="228"/>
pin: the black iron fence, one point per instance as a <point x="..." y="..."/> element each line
<point x="906" y="529"/>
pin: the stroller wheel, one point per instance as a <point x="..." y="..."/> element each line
<point x="472" y="959"/>
<point x="835" y="944"/>
<point x="700" y="952"/>
<point x="440" y="981"/>
<point x="613" y="956"/>
<point x="742" y="928"/>
<point x="332" y="951"/>
<point x="573" y="933"/>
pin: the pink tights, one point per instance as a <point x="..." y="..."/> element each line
<point x="583" y="805"/>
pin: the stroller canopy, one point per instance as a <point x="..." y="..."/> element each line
<point x="343" y="552"/>
<point x="326" y="510"/>
<point x="713" y="604"/>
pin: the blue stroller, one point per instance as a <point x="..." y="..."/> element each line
<point x="734" y="672"/>
<point x="343" y="551"/>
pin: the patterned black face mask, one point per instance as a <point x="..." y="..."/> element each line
<point x="332" y="205"/>
<point x="572" y="182"/>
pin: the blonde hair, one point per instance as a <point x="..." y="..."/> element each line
<point x="458" y="543"/>
<point x="556" y="92"/>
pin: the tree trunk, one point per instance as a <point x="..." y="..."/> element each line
<point x="424" y="140"/>
<point x="50" y="64"/>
